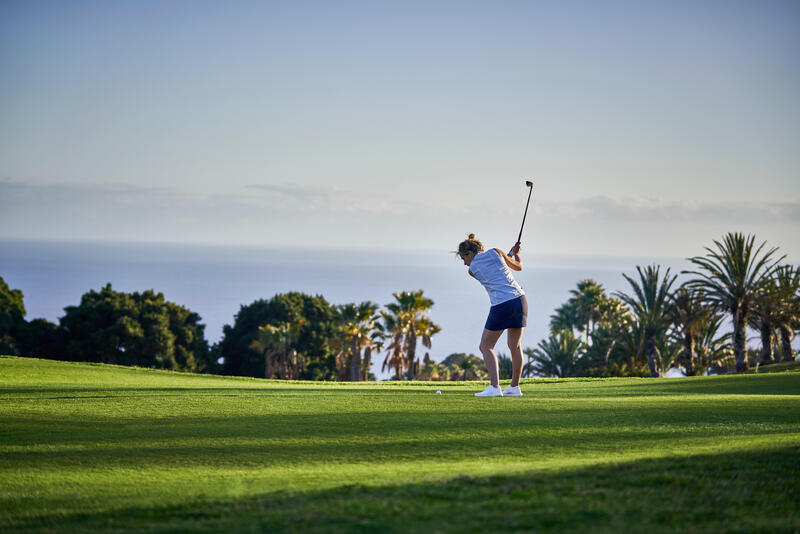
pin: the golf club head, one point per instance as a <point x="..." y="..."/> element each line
<point x="528" y="183"/>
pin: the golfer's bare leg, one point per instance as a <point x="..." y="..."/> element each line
<point x="488" y="340"/>
<point x="515" y="346"/>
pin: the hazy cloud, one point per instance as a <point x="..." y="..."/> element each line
<point x="283" y="199"/>
<point x="129" y="212"/>
<point x="656" y="209"/>
<point x="292" y="214"/>
<point x="332" y="199"/>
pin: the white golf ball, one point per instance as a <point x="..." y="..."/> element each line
<point x="438" y="392"/>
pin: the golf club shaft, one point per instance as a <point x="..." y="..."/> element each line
<point x="519" y="238"/>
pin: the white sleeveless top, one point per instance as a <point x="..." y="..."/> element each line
<point x="492" y="272"/>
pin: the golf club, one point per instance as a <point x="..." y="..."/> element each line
<point x="530" y="185"/>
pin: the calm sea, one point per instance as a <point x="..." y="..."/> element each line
<point x="215" y="281"/>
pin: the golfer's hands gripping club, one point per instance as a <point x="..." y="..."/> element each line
<point x="514" y="252"/>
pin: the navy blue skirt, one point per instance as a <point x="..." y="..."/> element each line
<point x="509" y="314"/>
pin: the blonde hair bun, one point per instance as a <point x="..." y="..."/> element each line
<point x="470" y="245"/>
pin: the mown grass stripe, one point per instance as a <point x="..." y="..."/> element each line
<point x="105" y="448"/>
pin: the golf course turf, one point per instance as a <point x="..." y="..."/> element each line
<point x="98" y="448"/>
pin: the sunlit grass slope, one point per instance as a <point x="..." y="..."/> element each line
<point x="99" y="448"/>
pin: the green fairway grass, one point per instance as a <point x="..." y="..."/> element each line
<point x="780" y="367"/>
<point x="97" y="448"/>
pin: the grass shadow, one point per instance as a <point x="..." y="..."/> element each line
<point x="754" y="491"/>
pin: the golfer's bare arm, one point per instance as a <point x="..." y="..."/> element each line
<point x="515" y="263"/>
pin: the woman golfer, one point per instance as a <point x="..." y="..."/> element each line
<point x="509" y="309"/>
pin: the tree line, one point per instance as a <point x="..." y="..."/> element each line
<point x="290" y="336"/>
<point x="654" y="326"/>
<point x="141" y="329"/>
<point x="659" y="324"/>
<point x="295" y="336"/>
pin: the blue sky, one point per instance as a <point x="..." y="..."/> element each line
<point x="649" y="128"/>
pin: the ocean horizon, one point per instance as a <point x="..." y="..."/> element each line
<point x="216" y="280"/>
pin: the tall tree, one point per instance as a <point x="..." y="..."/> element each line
<point x="426" y="329"/>
<point x="602" y="319"/>
<point x="668" y="352"/>
<point x="712" y="346"/>
<point x="632" y="360"/>
<point x="765" y="315"/>
<point x="277" y="344"/>
<point x="787" y="279"/>
<point x="314" y="342"/>
<point x="370" y="338"/>
<point x="394" y="342"/>
<point x="141" y="329"/>
<point x="588" y="299"/>
<point x="688" y="313"/>
<point x="566" y="317"/>
<point x="649" y="304"/>
<point x="12" y="318"/>
<point x="410" y="311"/>
<point x="613" y="323"/>
<point x="583" y="311"/>
<point x="348" y="345"/>
<point x="358" y="324"/>
<point x="42" y="339"/>
<point x="376" y="342"/>
<point x="729" y="276"/>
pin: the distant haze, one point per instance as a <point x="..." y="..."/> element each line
<point x="649" y="128"/>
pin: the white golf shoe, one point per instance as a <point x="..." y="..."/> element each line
<point x="491" y="391"/>
<point x="512" y="391"/>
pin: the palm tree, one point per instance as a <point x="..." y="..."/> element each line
<point x="614" y="321"/>
<point x="587" y="301"/>
<point x="276" y="344"/>
<point x="376" y="341"/>
<point x="348" y="337"/>
<point x="426" y="329"/>
<point x="712" y="346"/>
<point x="428" y="368"/>
<point x="565" y="317"/>
<point x="602" y="320"/>
<point x="668" y="353"/>
<point x="559" y="355"/>
<point x="765" y="315"/>
<point x="631" y="347"/>
<point x="688" y="313"/>
<point x="649" y="305"/>
<point x="410" y="310"/>
<point x="394" y="344"/>
<point x="787" y="279"/>
<point x="729" y="277"/>
<point x="357" y="324"/>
